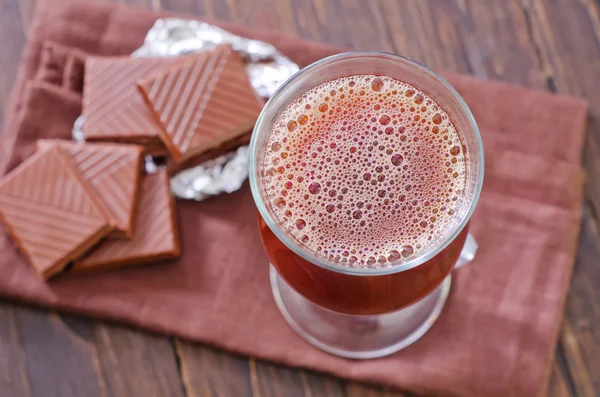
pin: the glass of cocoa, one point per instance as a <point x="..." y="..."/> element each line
<point x="365" y="168"/>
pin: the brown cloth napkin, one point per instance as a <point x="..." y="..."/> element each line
<point x="497" y="335"/>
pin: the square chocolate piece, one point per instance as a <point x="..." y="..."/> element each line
<point x="113" y="170"/>
<point x="155" y="237"/>
<point x="50" y="211"/>
<point x="113" y="109"/>
<point x="173" y="168"/>
<point x="202" y="103"/>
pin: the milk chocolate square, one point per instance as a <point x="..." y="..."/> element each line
<point x="50" y="211"/>
<point x="113" y="109"/>
<point x="113" y="170"/>
<point x="202" y="103"/>
<point x="173" y="167"/>
<point x="155" y="237"/>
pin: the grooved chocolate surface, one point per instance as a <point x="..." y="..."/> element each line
<point x="50" y="212"/>
<point x="155" y="237"/>
<point x="114" y="172"/>
<point x="202" y="103"/>
<point x="112" y="106"/>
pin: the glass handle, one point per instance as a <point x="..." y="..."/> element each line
<point x="468" y="252"/>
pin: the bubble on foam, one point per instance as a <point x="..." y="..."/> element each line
<point x="371" y="167"/>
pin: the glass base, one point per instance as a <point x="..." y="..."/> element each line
<point x="355" y="336"/>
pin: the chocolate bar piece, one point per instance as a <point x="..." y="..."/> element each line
<point x="50" y="211"/>
<point x="155" y="237"/>
<point x="113" y="109"/>
<point x="174" y="168"/>
<point x="156" y="149"/>
<point x="113" y="170"/>
<point x="202" y="103"/>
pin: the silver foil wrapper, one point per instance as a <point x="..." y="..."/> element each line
<point x="267" y="69"/>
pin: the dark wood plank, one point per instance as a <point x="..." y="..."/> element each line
<point x="428" y="31"/>
<point x="581" y="334"/>
<point x="305" y="18"/>
<point x="567" y="38"/>
<point x="272" y="15"/>
<point x="360" y="390"/>
<point x="364" y="27"/>
<point x="570" y="58"/>
<point x="192" y="7"/>
<point x="209" y="372"/>
<point x="558" y="385"/>
<point x="271" y="380"/>
<point x="46" y="354"/>
<point x="135" y="363"/>
<point x="501" y="42"/>
<point x="577" y="368"/>
<point x="58" y="362"/>
<point x="14" y="380"/>
<point x="316" y="385"/>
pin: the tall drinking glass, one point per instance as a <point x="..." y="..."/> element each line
<point x="371" y="308"/>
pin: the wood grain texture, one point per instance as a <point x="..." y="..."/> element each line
<point x="358" y="390"/>
<point x="322" y="385"/>
<point x="45" y="354"/>
<point x="273" y="380"/>
<point x="580" y="338"/>
<point x="427" y="32"/>
<point x="544" y="44"/>
<point x="14" y="379"/>
<point x="570" y="57"/>
<point x="58" y="362"/>
<point x="137" y="364"/>
<point x="577" y="368"/>
<point x="209" y="372"/>
<point x="558" y="385"/>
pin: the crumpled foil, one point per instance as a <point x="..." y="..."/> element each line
<point x="267" y="69"/>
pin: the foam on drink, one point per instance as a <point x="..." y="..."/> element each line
<point x="364" y="170"/>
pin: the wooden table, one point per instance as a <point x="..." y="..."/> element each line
<point x="551" y="45"/>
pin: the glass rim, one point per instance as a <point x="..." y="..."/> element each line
<point x="289" y="241"/>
